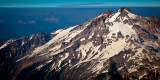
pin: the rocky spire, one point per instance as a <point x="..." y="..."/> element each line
<point x="124" y="9"/>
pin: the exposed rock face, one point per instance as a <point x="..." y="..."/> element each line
<point x="114" y="45"/>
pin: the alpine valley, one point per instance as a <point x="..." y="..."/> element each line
<point x="117" y="45"/>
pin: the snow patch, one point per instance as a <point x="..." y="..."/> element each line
<point x="69" y="61"/>
<point x="82" y="39"/>
<point x="131" y="15"/>
<point x="87" y="24"/>
<point x="31" y="38"/>
<point x="113" y="49"/>
<point x="156" y="67"/>
<point x="140" y="77"/>
<point x="113" y="18"/>
<point x="91" y="35"/>
<point x="40" y="66"/>
<point x="125" y="18"/>
<point x="78" y="56"/>
<point x="22" y="43"/>
<point x="100" y="15"/>
<point x="105" y="71"/>
<point x="21" y="58"/>
<point x="125" y="29"/>
<point x="130" y="70"/>
<point x="98" y="35"/>
<point x="120" y="68"/>
<point x="63" y="58"/>
<point x="6" y="44"/>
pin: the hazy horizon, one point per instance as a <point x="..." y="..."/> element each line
<point x="79" y="3"/>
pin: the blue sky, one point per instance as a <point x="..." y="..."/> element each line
<point x="77" y="3"/>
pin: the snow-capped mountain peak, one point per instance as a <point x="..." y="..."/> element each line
<point x="118" y="43"/>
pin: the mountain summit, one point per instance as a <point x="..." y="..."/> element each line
<point x="117" y="45"/>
